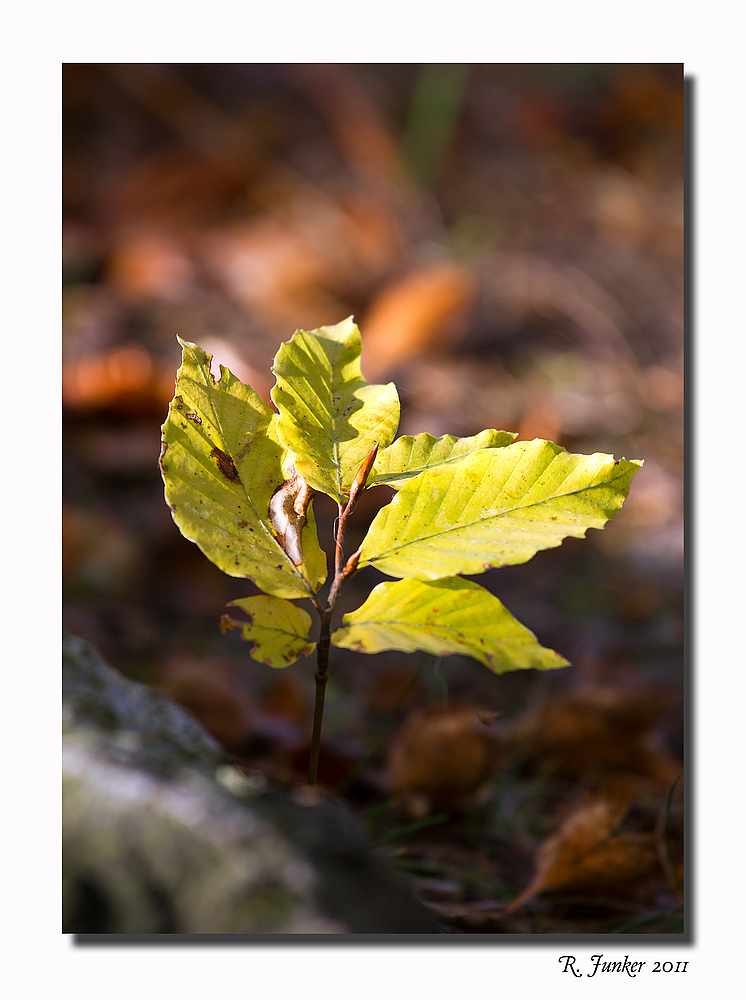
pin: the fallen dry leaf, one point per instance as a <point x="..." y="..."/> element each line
<point x="150" y="264"/>
<point x="124" y="379"/>
<point x="442" y="759"/>
<point x="355" y="122"/>
<point x="595" y="731"/>
<point x="586" y="856"/>
<point x="417" y="311"/>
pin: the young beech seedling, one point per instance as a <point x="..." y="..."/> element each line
<point x="240" y="478"/>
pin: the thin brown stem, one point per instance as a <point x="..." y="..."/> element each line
<point x="342" y="571"/>
<point x="322" y="651"/>
<point x="338" y="551"/>
<point x="321" y="676"/>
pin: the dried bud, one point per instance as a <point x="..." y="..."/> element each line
<point x="287" y="514"/>
<point x="362" y="475"/>
<point x="351" y="564"/>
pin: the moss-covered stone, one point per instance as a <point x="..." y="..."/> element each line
<point x="163" y="836"/>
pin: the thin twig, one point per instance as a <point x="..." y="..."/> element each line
<point x="321" y="676"/>
<point x="342" y="571"/>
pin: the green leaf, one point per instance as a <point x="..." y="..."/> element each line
<point x="408" y="456"/>
<point x="278" y="630"/>
<point x="443" y="617"/>
<point x="330" y="417"/>
<point x="495" y="507"/>
<point x="221" y="462"/>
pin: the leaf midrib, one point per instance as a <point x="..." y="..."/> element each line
<point x="211" y="384"/>
<point x="399" y="625"/>
<point x="423" y="539"/>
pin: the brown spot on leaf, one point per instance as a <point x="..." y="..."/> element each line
<point x="245" y="448"/>
<point x="243" y="524"/>
<point x="164" y="449"/>
<point x="227" y="623"/>
<point x="226" y="466"/>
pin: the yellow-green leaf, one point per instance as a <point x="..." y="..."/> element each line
<point x="444" y="617"/>
<point x="277" y="628"/>
<point x="496" y="507"/>
<point x="330" y="417"/>
<point x="221" y="462"/>
<point x="410" y="455"/>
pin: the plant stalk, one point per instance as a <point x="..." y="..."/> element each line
<point x="342" y="571"/>
<point x="321" y="676"/>
<point x="322" y="652"/>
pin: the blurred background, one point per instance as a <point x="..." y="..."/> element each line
<point x="509" y="238"/>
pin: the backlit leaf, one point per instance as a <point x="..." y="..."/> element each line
<point x="221" y="462"/>
<point x="410" y="455"/>
<point x="277" y="628"/>
<point x="330" y="417"/>
<point x="496" y="507"/>
<point x="443" y="617"/>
